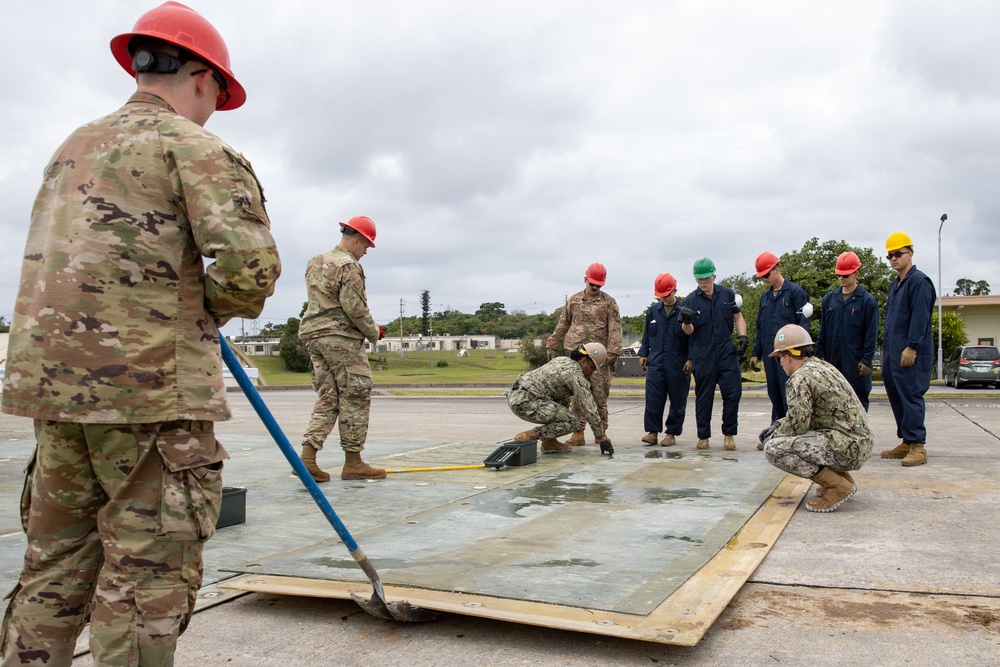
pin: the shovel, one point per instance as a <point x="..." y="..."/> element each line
<point x="377" y="605"/>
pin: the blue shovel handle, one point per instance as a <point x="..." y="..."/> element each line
<point x="286" y="448"/>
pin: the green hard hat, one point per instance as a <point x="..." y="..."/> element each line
<point x="704" y="268"/>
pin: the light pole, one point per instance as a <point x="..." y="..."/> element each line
<point x="940" y="364"/>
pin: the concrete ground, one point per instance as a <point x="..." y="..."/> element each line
<point x="904" y="573"/>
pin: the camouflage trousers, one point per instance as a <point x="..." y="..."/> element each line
<point x="342" y="378"/>
<point x="115" y="516"/>
<point x="600" y="383"/>
<point x="805" y="454"/>
<point x="554" y="419"/>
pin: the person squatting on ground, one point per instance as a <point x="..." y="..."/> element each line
<point x="780" y="305"/>
<point x="907" y="350"/>
<point x="708" y="316"/>
<point x="334" y="329"/>
<point x="590" y="315"/>
<point x="848" y="328"/>
<point x="114" y="353"/>
<point x="543" y="396"/>
<point x="664" y="357"/>
<point x="825" y="432"/>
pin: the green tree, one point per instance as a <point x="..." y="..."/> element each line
<point x="491" y="312"/>
<point x="272" y="330"/>
<point x="952" y="335"/>
<point x="534" y="354"/>
<point x="4" y="326"/>
<point x="291" y="349"/>
<point x="965" y="287"/>
<point x="425" y="312"/>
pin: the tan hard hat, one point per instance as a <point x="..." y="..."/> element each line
<point x="597" y="352"/>
<point x="789" y="338"/>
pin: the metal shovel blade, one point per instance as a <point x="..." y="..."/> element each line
<point x="376" y="605"/>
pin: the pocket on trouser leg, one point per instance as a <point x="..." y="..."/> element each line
<point x="190" y="486"/>
<point x="29" y="470"/>
<point x="359" y="381"/>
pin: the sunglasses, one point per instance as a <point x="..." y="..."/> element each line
<point x="224" y="94"/>
<point x="593" y="285"/>
<point x="897" y="254"/>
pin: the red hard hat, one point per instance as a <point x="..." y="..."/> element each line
<point x="664" y="285"/>
<point x="596" y="274"/>
<point x="847" y="263"/>
<point x="765" y="262"/>
<point x="363" y="225"/>
<point x="182" y="26"/>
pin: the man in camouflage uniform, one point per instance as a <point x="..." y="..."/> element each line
<point x="825" y="432"/>
<point x="334" y="329"/>
<point x="590" y="315"/>
<point x="114" y="353"/>
<point x="543" y="397"/>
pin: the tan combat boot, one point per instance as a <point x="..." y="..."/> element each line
<point x="576" y="439"/>
<point x="355" y="468"/>
<point x="836" y="488"/>
<point x="702" y="443"/>
<point x="530" y="434"/>
<point x="668" y="441"/>
<point x="649" y="439"/>
<point x="916" y="457"/>
<point x="729" y="442"/>
<point x="843" y="473"/>
<point x="553" y="446"/>
<point x="309" y="459"/>
<point x="898" y="452"/>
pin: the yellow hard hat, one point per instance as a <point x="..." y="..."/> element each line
<point x="897" y="240"/>
<point x="789" y="338"/>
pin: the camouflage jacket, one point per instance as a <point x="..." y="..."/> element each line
<point x="338" y="305"/>
<point x="117" y="317"/>
<point x="588" y="320"/>
<point x="560" y="380"/>
<point x="820" y="399"/>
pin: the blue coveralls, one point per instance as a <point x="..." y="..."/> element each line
<point x="665" y="347"/>
<point x="908" y="324"/>
<point x="776" y="310"/>
<point x="848" y="334"/>
<point x="715" y="360"/>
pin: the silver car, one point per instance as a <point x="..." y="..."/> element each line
<point x="973" y="364"/>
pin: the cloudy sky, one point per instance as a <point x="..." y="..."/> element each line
<point x="501" y="147"/>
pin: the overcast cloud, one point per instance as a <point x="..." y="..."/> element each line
<point x="503" y="147"/>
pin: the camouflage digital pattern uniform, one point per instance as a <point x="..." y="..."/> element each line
<point x="588" y="319"/>
<point x="826" y="425"/>
<point x="543" y="397"/>
<point x="334" y="328"/>
<point x="114" y="353"/>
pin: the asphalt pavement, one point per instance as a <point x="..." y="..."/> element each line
<point x="904" y="573"/>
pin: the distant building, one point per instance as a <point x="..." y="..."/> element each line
<point x="980" y="314"/>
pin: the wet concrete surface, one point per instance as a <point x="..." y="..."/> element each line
<point x="905" y="573"/>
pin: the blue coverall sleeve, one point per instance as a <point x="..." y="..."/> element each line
<point x="799" y="299"/>
<point x="757" y="349"/>
<point x="921" y="304"/>
<point x="644" y="348"/>
<point x="822" y="329"/>
<point x="871" y="332"/>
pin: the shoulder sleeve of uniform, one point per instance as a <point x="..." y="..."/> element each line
<point x="225" y="207"/>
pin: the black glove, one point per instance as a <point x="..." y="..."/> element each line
<point x="741" y="345"/>
<point x="766" y="434"/>
<point x="686" y="314"/>
<point x="606" y="447"/>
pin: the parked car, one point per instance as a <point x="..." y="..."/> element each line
<point x="877" y="361"/>
<point x="973" y="364"/>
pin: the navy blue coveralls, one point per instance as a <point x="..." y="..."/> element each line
<point x="665" y="347"/>
<point x="776" y="310"/>
<point x="715" y="360"/>
<point x="848" y="334"/>
<point x="908" y="324"/>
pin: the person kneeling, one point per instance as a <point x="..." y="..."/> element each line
<point x="825" y="433"/>
<point x="542" y="397"/>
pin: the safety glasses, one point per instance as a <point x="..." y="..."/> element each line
<point x="897" y="254"/>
